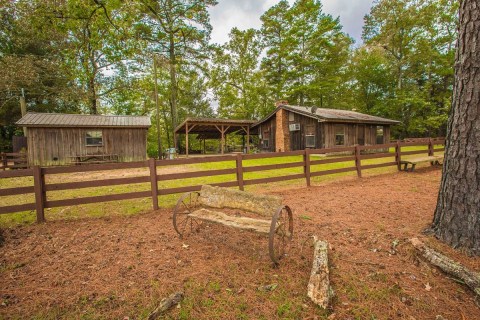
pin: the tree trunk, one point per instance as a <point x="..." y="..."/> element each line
<point x="173" y="86"/>
<point x="457" y="216"/>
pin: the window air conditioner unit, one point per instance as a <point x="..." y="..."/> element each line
<point x="294" y="126"/>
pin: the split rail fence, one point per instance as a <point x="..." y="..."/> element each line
<point x="355" y="154"/>
<point x="13" y="160"/>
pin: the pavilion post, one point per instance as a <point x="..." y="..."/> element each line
<point x="248" y="139"/>
<point x="223" y="140"/>
<point x="186" y="139"/>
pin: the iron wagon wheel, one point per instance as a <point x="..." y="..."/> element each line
<point x="281" y="232"/>
<point x="182" y="222"/>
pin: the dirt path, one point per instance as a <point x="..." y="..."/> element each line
<point x="118" y="267"/>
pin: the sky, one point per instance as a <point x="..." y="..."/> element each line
<point x="245" y="14"/>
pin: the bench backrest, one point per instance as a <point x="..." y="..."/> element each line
<point x="217" y="197"/>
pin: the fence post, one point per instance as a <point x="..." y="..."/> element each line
<point x="153" y="182"/>
<point x="240" y="171"/>
<point x="40" y="196"/>
<point x="430" y="147"/>
<point x="398" y="155"/>
<point x="306" y="168"/>
<point x="358" y="163"/>
<point x="3" y="156"/>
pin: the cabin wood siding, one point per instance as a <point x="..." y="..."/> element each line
<point x="297" y="138"/>
<point x="47" y="144"/>
<point x="268" y="125"/>
<point x="352" y="131"/>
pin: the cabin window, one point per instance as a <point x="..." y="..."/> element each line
<point x="266" y="139"/>
<point x="310" y="136"/>
<point x="291" y="116"/>
<point x="309" y="141"/>
<point x="339" y="135"/>
<point x="94" y="138"/>
<point x="380" y="135"/>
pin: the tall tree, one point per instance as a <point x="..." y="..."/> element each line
<point x="276" y="22"/>
<point x="178" y="29"/>
<point x="99" y="45"/>
<point x="457" y="215"/>
<point x="416" y="37"/>
<point x="235" y="78"/>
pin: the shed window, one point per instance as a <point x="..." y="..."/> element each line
<point x="339" y="135"/>
<point x="94" y="138"/>
<point x="380" y="135"/>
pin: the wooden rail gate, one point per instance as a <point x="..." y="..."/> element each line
<point x="40" y="188"/>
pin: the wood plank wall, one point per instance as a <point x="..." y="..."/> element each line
<point x="47" y="144"/>
<point x="271" y="125"/>
<point x="351" y="134"/>
<point x="297" y="138"/>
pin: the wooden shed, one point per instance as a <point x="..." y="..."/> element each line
<point x="60" y="139"/>
<point x="290" y="128"/>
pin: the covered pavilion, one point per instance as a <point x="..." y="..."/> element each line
<point x="212" y="128"/>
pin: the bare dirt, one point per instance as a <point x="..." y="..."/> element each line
<point x="120" y="267"/>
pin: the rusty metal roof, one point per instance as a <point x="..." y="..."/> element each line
<point x="331" y="115"/>
<point x="82" y="120"/>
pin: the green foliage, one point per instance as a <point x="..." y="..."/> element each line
<point x="411" y="45"/>
<point x="235" y="78"/>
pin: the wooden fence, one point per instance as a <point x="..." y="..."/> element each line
<point x="40" y="188"/>
<point x="13" y="161"/>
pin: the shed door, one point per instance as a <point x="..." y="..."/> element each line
<point x="361" y="135"/>
<point x="51" y="146"/>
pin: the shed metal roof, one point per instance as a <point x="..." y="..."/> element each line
<point x="82" y="120"/>
<point x="331" y="115"/>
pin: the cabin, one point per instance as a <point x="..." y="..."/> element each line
<point x="290" y="128"/>
<point x="61" y="139"/>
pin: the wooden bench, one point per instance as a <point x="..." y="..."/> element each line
<point x="93" y="159"/>
<point x="194" y="208"/>
<point x="434" y="160"/>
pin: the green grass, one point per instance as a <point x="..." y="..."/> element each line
<point x="130" y="207"/>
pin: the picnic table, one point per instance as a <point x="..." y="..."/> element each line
<point x="93" y="158"/>
<point x="434" y="160"/>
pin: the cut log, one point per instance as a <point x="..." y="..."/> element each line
<point x="165" y="305"/>
<point x="217" y="197"/>
<point x="244" y="223"/>
<point x="447" y="265"/>
<point x="319" y="289"/>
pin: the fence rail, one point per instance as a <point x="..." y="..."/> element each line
<point x="13" y="160"/>
<point x="349" y="154"/>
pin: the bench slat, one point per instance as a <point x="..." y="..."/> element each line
<point x="418" y="160"/>
<point x="244" y="223"/>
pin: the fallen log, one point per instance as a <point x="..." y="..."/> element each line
<point x="447" y="265"/>
<point x="319" y="290"/>
<point x="166" y="304"/>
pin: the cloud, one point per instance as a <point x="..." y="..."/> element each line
<point x="351" y="14"/>
<point x="245" y="14"/>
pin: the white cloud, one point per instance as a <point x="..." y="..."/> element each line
<point x="245" y="14"/>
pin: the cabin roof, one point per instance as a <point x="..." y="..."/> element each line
<point x="331" y="115"/>
<point x="33" y="119"/>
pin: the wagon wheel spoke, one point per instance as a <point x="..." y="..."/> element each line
<point x="181" y="219"/>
